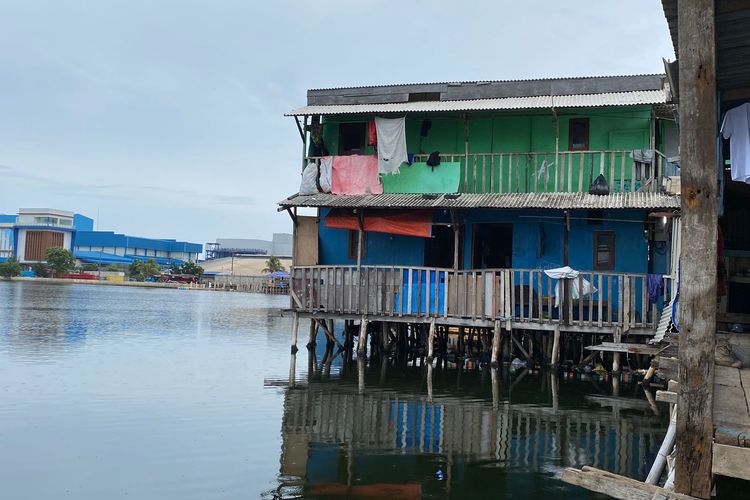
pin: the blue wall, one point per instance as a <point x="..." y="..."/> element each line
<point x="111" y="239"/>
<point x="83" y="223"/>
<point x="380" y="248"/>
<point x="631" y="247"/>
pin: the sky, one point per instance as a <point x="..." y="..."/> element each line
<point x="165" y="118"/>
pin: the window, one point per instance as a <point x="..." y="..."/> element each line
<point x="352" y="138"/>
<point x="354" y="244"/>
<point x="578" y="134"/>
<point x="604" y="250"/>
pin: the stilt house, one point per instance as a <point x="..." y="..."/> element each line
<point x="494" y="189"/>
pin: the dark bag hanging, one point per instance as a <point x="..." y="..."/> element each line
<point x="599" y="186"/>
<point x="434" y="159"/>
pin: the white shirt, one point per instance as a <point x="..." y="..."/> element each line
<point x="736" y="128"/>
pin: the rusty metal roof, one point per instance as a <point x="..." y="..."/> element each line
<point x="504" y="103"/>
<point x="558" y="201"/>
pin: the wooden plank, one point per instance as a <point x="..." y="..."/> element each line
<point x="731" y="461"/>
<point x="570" y="172"/>
<point x="611" y="179"/>
<point x="500" y="173"/>
<point x="698" y="294"/>
<point x="617" y="486"/>
<point x="622" y="172"/>
<point x="624" y="347"/>
<point x="666" y="396"/>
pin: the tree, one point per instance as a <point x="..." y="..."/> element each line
<point x="273" y="265"/>
<point x="60" y="260"/>
<point x="140" y="270"/>
<point x="89" y="267"/>
<point x="10" y="268"/>
<point x="192" y="268"/>
<point x="40" y="270"/>
<point x="151" y="268"/>
<point x="174" y="268"/>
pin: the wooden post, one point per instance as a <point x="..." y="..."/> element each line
<point x="616" y="355"/>
<point x="455" y="251"/>
<point x="697" y="53"/>
<point x="556" y="347"/>
<point x="295" y="327"/>
<point x="362" y="340"/>
<point x="431" y="341"/>
<point x="312" y="342"/>
<point x="566" y="238"/>
<point x="496" y="335"/>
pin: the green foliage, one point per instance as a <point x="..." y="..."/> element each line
<point x="89" y="267"/>
<point x="40" y="269"/>
<point x="175" y="268"/>
<point x="273" y="265"/>
<point x="192" y="268"/>
<point x="10" y="268"/>
<point x="140" y="270"/>
<point x="60" y="260"/>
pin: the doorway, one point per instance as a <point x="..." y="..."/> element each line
<point x="438" y="250"/>
<point x="492" y="246"/>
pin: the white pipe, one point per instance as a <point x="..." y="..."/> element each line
<point x="666" y="448"/>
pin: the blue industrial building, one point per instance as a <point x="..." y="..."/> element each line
<point x="107" y="247"/>
<point x="28" y="234"/>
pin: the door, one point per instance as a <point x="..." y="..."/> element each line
<point x="492" y="246"/>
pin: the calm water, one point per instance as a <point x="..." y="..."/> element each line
<point x="114" y="392"/>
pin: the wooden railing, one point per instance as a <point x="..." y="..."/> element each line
<point x="518" y="295"/>
<point x="549" y="172"/>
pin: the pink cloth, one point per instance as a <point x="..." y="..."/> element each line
<point x="355" y="174"/>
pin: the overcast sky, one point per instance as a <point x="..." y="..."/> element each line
<point x="165" y="118"/>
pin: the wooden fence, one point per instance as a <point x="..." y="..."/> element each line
<point x="518" y="295"/>
<point x="550" y="172"/>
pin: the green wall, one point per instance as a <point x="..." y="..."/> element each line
<point x="623" y="128"/>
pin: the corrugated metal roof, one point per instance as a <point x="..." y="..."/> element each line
<point x="559" y="201"/>
<point x="544" y="102"/>
<point x="511" y="80"/>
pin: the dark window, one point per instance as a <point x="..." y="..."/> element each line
<point x="604" y="250"/>
<point x="578" y="134"/>
<point x="352" y="138"/>
<point x="354" y="244"/>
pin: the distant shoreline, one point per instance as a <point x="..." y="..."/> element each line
<point x="142" y="284"/>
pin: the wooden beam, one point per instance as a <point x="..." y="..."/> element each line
<point x="666" y="396"/>
<point x="731" y="461"/>
<point x="697" y="53"/>
<point x="617" y="486"/>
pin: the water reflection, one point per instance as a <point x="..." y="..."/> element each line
<point x="413" y="432"/>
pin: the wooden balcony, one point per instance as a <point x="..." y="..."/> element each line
<point x="520" y="298"/>
<point x="550" y="172"/>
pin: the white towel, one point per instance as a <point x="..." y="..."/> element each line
<point x="391" y="144"/>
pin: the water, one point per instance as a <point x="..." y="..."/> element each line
<point x="118" y="392"/>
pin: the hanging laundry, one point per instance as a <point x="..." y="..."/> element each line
<point x="581" y="288"/>
<point x="434" y="159"/>
<point x="326" y="165"/>
<point x="655" y="287"/>
<point x="355" y="174"/>
<point x="736" y="128"/>
<point x="391" y="134"/>
<point x="372" y="133"/>
<point x="309" y="179"/>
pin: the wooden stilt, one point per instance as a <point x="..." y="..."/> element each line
<point x="362" y="340"/>
<point x="616" y="355"/>
<point x="295" y="327"/>
<point x="556" y="346"/>
<point x="312" y="341"/>
<point x="496" y="334"/>
<point x="431" y="341"/>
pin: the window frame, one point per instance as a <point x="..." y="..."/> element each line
<point x="612" y="237"/>
<point x="586" y="144"/>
